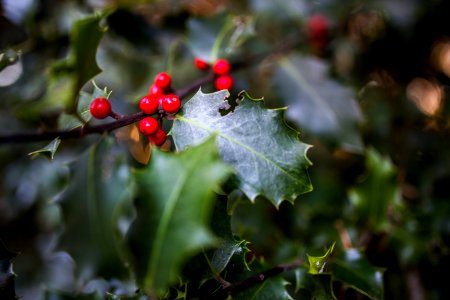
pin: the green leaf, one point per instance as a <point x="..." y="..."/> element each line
<point x="323" y="288"/>
<point x="174" y="205"/>
<point x="86" y="32"/>
<point x="214" y="37"/>
<point x="48" y="151"/>
<point x="266" y="154"/>
<point x="272" y="288"/>
<point x="318" y="286"/>
<point x="81" y="64"/>
<point x="7" y="277"/>
<point x="353" y="268"/>
<point x="377" y="194"/>
<point x="229" y="246"/>
<point x="318" y="104"/>
<point x="319" y="264"/>
<point x="92" y="206"/>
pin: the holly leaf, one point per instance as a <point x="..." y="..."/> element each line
<point x="378" y="192"/>
<point x="353" y="268"/>
<point x="318" y="104"/>
<point x="47" y="151"/>
<point x="68" y="76"/>
<point x="317" y="286"/>
<point x="266" y="154"/>
<point x="92" y="206"/>
<point x="319" y="264"/>
<point x="213" y="37"/>
<point x="229" y="246"/>
<point x="175" y="198"/>
<point x="82" y="59"/>
<point x="323" y="288"/>
<point x="7" y="276"/>
<point x="272" y="288"/>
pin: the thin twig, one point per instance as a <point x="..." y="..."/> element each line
<point x="256" y="279"/>
<point x="74" y="133"/>
<point x="121" y="120"/>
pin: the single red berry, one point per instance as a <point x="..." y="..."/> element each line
<point x="148" y="126"/>
<point x="317" y="25"/>
<point x="158" y="138"/>
<point x="170" y="103"/>
<point x="317" y="31"/>
<point x="100" y="108"/>
<point x="221" y="67"/>
<point x="155" y="90"/>
<point x="201" y="64"/>
<point x="163" y="80"/>
<point x="224" y="82"/>
<point x="149" y="104"/>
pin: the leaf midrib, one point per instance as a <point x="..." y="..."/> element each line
<point x="161" y="232"/>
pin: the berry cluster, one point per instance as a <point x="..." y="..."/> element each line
<point x="221" y="69"/>
<point x="160" y="101"/>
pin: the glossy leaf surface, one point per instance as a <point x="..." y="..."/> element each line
<point x="174" y="205"/>
<point x="267" y="155"/>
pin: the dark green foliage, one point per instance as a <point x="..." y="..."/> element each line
<point x="351" y="132"/>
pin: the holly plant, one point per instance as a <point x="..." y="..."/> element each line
<point x="229" y="150"/>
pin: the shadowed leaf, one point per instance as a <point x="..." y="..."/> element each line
<point x="317" y="103"/>
<point x="91" y="207"/>
<point x="174" y="205"/>
<point x="48" y="151"/>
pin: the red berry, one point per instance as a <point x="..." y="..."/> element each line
<point x="148" y="126"/>
<point x="317" y="30"/>
<point x="170" y="103"/>
<point x="163" y="80"/>
<point x="201" y="64"/>
<point x="155" y="90"/>
<point x="317" y="25"/>
<point x="100" y="108"/>
<point x="158" y="138"/>
<point x="224" y="82"/>
<point x="149" y="104"/>
<point x="221" y="67"/>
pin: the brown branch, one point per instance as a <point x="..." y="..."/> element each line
<point x="256" y="279"/>
<point x="122" y="121"/>
<point x="74" y="133"/>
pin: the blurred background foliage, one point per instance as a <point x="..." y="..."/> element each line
<point x="370" y="95"/>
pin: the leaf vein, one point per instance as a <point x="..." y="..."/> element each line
<point x="256" y="153"/>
